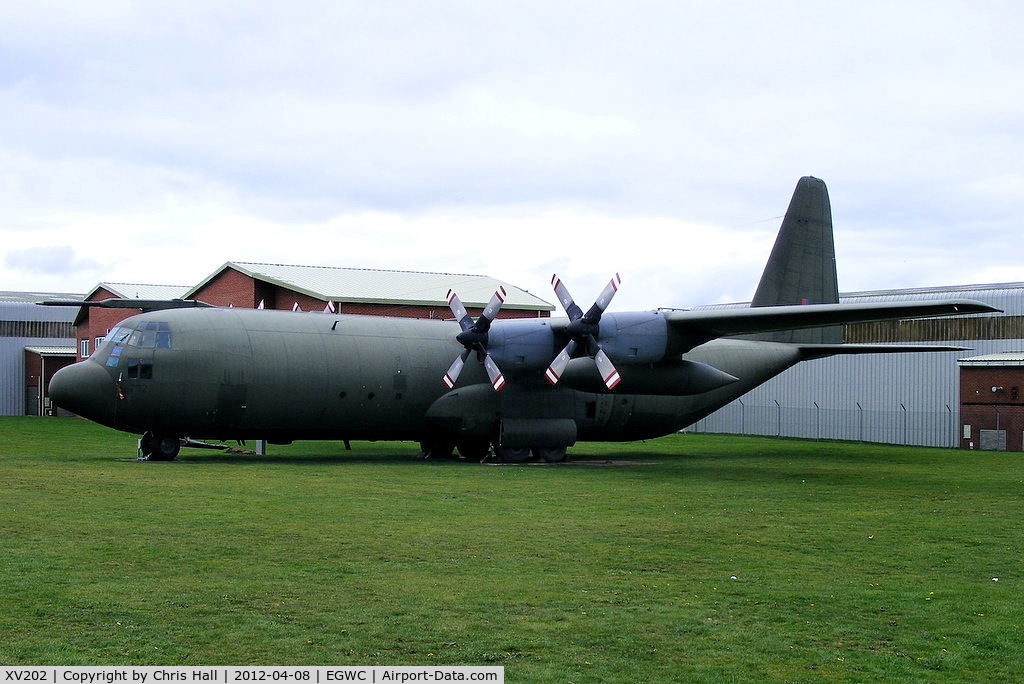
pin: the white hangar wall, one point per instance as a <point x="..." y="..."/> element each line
<point x="889" y="398"/>
<point x="25" y="324"/>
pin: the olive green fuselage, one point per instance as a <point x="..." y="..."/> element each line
<point x="280" y="376"/>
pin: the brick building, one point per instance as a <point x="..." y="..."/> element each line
<point x="991" y="402"/>
<point x="358" y="291"/>
<point x="310" y="288"/>
<point x="35" y="341"/>
<point x="92" y="323"/>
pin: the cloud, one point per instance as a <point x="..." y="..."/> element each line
<point x="49" y="261"/>
<point x="594" y="136"/>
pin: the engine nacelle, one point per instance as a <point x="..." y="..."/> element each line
<point x="632" y="338"/>
<point x="678" y="378"/>
<point x="521" y="344"/>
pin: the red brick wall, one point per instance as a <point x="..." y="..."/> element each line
<point x="229" y="287"/>
<point x="976" y="385"/>
<point x="233" y="288"/>
<point x="97" y="321"/>
<point x="985" y="409"/>
<point x="407" y="311"/>
<point x="286" y="299"/>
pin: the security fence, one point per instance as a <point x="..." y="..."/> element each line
<point x="896" y="425"/>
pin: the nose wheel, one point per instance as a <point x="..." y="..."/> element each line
<point x="158" y="446"/>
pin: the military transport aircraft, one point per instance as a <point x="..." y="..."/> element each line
<point x="199" y="372"/>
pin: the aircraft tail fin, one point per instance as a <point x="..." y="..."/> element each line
<point x="802" y="266"/>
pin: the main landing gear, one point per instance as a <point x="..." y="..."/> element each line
<point x="159" y="446"/>
<point x="530" y="455"/>
<point x="479" y="450"/>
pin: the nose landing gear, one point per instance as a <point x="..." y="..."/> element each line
<point x="159" y="446"/>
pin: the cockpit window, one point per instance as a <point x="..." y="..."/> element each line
<point x="151" y="335"/>
<point x="120" y="340"/>
<point x="118" y="335"/>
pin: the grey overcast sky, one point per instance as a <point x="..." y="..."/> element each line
<point x="150" y="142"/>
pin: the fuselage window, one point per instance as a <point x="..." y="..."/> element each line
<point x="115" y="356"/>
<point x="141" y="369"/>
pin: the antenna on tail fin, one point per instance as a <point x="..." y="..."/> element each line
<point x="802" y="267"/>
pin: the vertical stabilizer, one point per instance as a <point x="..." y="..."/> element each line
<point x="802" y="267"/>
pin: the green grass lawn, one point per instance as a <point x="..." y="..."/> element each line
<point x="716" y="559"/>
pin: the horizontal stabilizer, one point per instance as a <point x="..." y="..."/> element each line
<point x="820" y="351"/>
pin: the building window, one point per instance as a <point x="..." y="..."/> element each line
<point x="83" y="347"/>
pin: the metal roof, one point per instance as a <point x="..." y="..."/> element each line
<point x="142" y="291"/>
<point x="1009" y="297"/>
<point x="22" y="306"/>
<point x="940" y="290"/>
<point x="1006" y="296"/>
<point x="52" y="351"/>
<point x="7" y="297"/>
<point x="371" y="286"/>
<point x="1010" y="358"/>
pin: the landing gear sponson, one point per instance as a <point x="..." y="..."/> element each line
<point x="479" y="450"/>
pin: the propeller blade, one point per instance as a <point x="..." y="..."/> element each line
<point x="491" y="310"/>
<point x="574" y="311"/>
<point x="584" y="329"/>
<point x="459" y="311"/>
<point x="497" y="379"/>
<point x="557" y="367"/>
<point x="605" y="298"/>
<point x="454" y="370"/>
<point x="607" y="369"/>
<point x="474" y="338"/>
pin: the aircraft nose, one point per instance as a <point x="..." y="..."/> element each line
<point x="85" y="389"/>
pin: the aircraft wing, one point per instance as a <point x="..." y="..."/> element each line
<point x="707" y="324"/>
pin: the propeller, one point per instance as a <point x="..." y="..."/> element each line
<point x="474" y="338"/>
<point x="583" y="329"/>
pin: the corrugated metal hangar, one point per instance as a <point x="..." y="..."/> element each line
<point x="34" y="342"/>
<point x="889" y="398"/>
